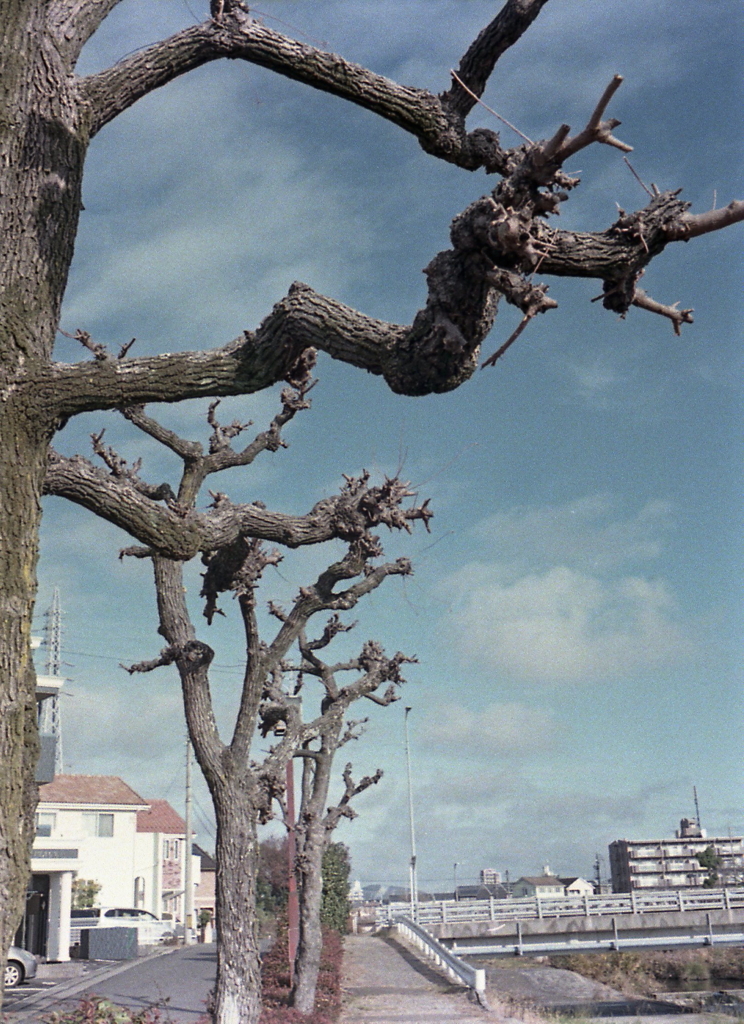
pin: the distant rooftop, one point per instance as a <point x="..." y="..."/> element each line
<point x="89" y="789"/>
<point x="161" y="818"/>
<point x="540" y="879"/>
<point x="208" y="863"/>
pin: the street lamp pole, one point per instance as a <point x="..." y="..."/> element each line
<point x="293" y="899"/>
<point x="188" y="879"/>
<point x="457" y="863"/>
<point x="412" y="868"/>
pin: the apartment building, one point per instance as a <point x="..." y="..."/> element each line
<point x="673" y="863"/>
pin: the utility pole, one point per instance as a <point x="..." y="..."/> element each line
<point x="456" y="865"/>
<point x="188" y="882"/>
<point x="293" y="900"/>
<point x="293" y="897"/>
<point x="412" y="869"/>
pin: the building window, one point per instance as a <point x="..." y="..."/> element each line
<point x="139" y="891"/>
<point x="95" y="824"/>
<point x="45" y="823"/>
<point x="171" y="849"/>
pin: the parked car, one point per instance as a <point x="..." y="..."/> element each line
<point x="149" y="927"/>
<point x="19" y="967"/>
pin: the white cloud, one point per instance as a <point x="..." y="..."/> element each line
<point x="588" y="533"/>
<point x="499" y="728"/>
<point x="555" y="606"/>
<point x="119" y="723"/>
<point x="564" y="626"/>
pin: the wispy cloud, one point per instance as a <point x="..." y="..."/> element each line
<point x="511" y="727"/>
<point x="557" y="604"/>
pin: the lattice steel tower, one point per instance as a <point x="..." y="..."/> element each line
<point x="51" y="722"/>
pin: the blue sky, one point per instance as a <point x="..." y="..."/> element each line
<point x="576" y="610"/>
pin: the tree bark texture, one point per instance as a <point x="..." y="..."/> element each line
<point x="238" y="993"/>
<point x="309" y="867"/>
<point x="42" y="144"/>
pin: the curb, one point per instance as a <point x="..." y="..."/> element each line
<point x="44" y="1000"/>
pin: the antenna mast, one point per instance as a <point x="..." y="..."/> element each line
<point x="697" y="806"/>
<point x="53" y="642"/>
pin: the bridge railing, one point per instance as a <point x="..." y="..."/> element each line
<point x="473" y="977"/>
<point x="659" y="901"/>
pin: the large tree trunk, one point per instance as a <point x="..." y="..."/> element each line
<point x="310" y="946"/>
<point x="238" y="992"/>
<point x="310" y="866"/>
<point x="20" y="483"/>
<point x="41" y="159"/>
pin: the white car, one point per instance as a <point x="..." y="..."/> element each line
<point x="19" y="967"/>
<point x="149" y="927"/>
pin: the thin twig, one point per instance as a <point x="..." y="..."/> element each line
<point x="489" y="109"/>
<point x="637" y="177"/>
<point x="509" y="341"/>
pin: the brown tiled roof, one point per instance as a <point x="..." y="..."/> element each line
<point x="161" y="818"/>
<point x="89" y="789"/>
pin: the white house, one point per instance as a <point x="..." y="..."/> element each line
<point x="540" y="885"/>
<point x="96" y="828"/>
<point x="85" y="827"/>
<point x="160" y="860"/>
<point x="577" y="887"/>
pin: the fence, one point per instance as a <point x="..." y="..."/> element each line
<point x="660" y="901"/>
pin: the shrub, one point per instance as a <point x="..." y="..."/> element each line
<point x="335" y="907"/>
<point x="93" y="1010"/>
<point x="276" y="990"/>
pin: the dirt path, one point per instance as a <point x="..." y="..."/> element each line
<point x="385" y="983"/>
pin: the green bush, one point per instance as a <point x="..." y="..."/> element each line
<point x="335" y="907"/>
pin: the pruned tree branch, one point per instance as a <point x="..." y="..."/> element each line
<point x="343" y="808"/>
<point x="476" y="66"/>
<point x="239" y="36"/>
<point x="193" y="659"/>
<point x="498" y="243"/>
<point x="184" y="533"/>
<point x="677" y="316"/>
<point x="560" y="148"/>
<point x="693" y="224"/>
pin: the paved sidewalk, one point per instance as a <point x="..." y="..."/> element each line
<point x="58" y="982"/>
<point x="385" y="983"/>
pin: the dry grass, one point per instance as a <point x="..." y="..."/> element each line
<point x="645" y="972"/>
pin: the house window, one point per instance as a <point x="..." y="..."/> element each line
<point x="45" y="823"/>
<point x="95" y="824"/>
<point x="171" y="849"/>
<point x="139" y="891"/>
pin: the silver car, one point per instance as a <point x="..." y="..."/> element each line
<point x="19" y="967"/>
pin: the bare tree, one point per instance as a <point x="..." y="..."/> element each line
<point x="48" y="118"/>
<point x="244" y="789"/>
<point x="316" y="820"/>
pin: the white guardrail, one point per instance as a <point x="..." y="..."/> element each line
<point x="473" y="977"/>
<point x="660" y="901"/>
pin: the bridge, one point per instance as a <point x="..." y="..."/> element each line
<point x="652" y="920"/>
